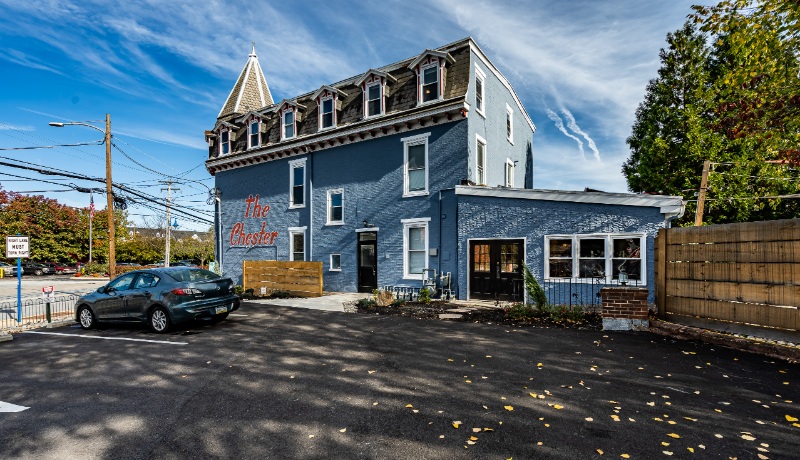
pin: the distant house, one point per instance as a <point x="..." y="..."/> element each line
<point x="180" y="235"/>
<point x="426" y="163"/>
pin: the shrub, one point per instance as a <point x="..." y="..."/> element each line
<point x="239" y="290"/>
<point x="535" y="291"/>
<point x="94" y="267"/>
<point x="568" y="312"/>
<point x="366" y="303"/>
<point x="399" y="302"/>
<point x="520" y="310"/>
<point x="278" y="294"/>
<point x="425" y="295"/>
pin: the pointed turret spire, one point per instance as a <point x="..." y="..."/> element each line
<point x="250" y="92"/>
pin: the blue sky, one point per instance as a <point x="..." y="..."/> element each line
<point x="163" y="70"/>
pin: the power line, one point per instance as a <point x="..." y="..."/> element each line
<point x="757" y="177"/>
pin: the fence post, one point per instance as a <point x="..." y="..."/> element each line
<point x="47" y="311"/>
<point x="661" y="273"/>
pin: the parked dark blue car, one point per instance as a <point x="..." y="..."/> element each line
<point x="160" y="296"/>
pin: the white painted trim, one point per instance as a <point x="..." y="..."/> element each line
<point x="509" y="166"/>
<point x="666" y="203"/>
<point x="421" y="139"/>
<point x="479" y="75"/>
<point x="439" y="83"/>
<point x="609" y="256"/>
<point x="249" y="125"/>
<point x="330" y="263"/>
<point x="244" y="85"/>
<point x="333" y="114"/>
<point x="380" y="99"/>
<point x="328" y="220"/>
<point x="510" y="124"/>
<point x="299" y="163"/>
<point x="415" y="220"/>
<point x="370" y="229"/>
<point x="297" y="231"/>
<point x="480" y="140"/>
<point x="524" y="257"/>
<point x="415" y="223"/>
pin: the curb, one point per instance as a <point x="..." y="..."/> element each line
<point x="6" y="337"/>
<point x="681" y="332"/>
<point x="65" y="322"/>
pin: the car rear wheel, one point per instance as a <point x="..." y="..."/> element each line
<point x="38" y="272"/>
<point x="159" y="320"/>
<point x="86" y="317"/>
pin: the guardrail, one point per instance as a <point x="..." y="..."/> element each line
<point x="36" y="312"/>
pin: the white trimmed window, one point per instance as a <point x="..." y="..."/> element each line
<point x="596" y="256"/>
<point x="297" y="244"/>
<point x="374" y="100"/>
<point x="480" y="100"/>
<point x="288" y="122"/>
<point x="327" y="107"/>
<point x="336" y="263"/>
<point x="480" y="160"/>
<point x="430" y="83"/>
<point x="224" y="142"/>
<point x="509" y="173"/>
<point x="297" y="184"/>
<point x="253" y="134"/>
<point x="415" y="165"/>
<point x="415" y="247"/>
<point x="509" y="124"/>
<point x="335" y="207"/>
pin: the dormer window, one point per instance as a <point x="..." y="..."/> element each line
<point x="429" y="67"/>
<point x="327" y="113"/>
<point x="374" y="100"/>
<point x="254" y="135"/>
<point x="224" y="142"/>
<point x="373" y="85"/>
<point x="288" y="124"/>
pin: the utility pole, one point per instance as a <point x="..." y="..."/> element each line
<point x="112" y="263"/>
<point x="701" y="198"/>
<point x="169" y="206"/>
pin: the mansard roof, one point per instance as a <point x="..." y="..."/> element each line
<point x="324" y="88"/>
<point x="250" y="92"/>
<point x="429" y="52"/>
<point x="369" y="72"/>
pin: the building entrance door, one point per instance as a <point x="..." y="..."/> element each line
<point x="495" y="269"/>
<point x="367" y="261"/>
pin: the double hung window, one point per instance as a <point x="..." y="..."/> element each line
<point x="335" y="207"/>
<point x="595" y="256"/>
<point x="430" y="83"/>
<point x="297" y="183"/>
<point x="415" y="150"/>
<point x="288" y="124"/>
<point x="374" y="100"/>
<point x="509" y="173"/>
<point x="480" y="81"/>
<point x="225" y="142"/>
<point x="415" y="244"/>
<point x="509" y="124"/>
<point x="480" y="163"/>
<point x="327" y="113"/>
<point x="254" y="134"/>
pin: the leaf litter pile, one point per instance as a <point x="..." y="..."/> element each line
<point x="479" y="314"/>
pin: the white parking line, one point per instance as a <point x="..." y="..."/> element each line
<point x="8" y="407"/>
<point x="106" y="338"/>
<point x="234" y="314"/>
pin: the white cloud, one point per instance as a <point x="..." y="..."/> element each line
<point x="577" y="130"/>
<point x="560" y="125"/>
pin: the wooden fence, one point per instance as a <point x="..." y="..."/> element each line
<point x="302" y="279"/>
<point x="739" y="278"/>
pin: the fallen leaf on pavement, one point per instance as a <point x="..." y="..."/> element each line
<point x="763" y="457"/>
<point x="651" y="404"/>
<point x="441" y="437"/>
<point x="666" y="452"/>
<point x="539" y="365"/>
<point x="509" y="407"/>
<point x="791" y="419"/>
<point x="471" y="443"/>
<point x="673" y="435"/>
<point x="415" y="411"/>
<point x="589" y="419"/>
<point x="311" y="436"/>
<point x="456" y="423"/>
<point x="476" y="430"/>
<point x="372" y="372"/>
<point x="374" y="404"/>
<point x="748" y="438"/>
<point x="664" y="443"/>
<point x="342" y="430"/>
<point x="625" y="456"/>
<point x="558" y="407"/>
<point x="718" y="435"/>
<point x="485" y="407"/>
<point x="473" y="438"/>
<point x="409" y="405"/>
<point x="690" y="449"/>
<point x="488" y="429"/>
<point x="599" y="451"/>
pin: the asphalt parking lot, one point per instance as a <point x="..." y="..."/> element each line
<point x="281" y="382"/>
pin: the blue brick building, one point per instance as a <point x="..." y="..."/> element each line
<point x="421" y="164"/>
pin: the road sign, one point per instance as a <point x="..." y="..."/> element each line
<point x="18" y="247"/>
<point x="48" y="293"/>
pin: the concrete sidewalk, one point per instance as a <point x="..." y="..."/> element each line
<point x="331" y="302"/>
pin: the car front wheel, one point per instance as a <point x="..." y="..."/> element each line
<point x="86" y="317"/>
<point x="159" y="320"/>
<point x="38" y="273"/>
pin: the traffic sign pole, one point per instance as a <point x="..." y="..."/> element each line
<point x="18" y="247"/>
<point x="19" y="290"/>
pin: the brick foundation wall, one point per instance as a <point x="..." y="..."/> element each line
<point x="624" y="308"/>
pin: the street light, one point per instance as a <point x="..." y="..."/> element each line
<point x="109" y="192"/>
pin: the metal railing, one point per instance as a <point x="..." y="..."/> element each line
<point x="571" y="291"/>
<point x="36" y="312"/>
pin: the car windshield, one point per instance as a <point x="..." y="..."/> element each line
<point x="192" y="274"/>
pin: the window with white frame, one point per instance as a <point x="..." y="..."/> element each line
<point x="297" y="183"/>
<point x="480" y="160"/>
<point x="509" y="170"/>
<point x="592" y="256"/>
<point x="224" y="142"/>
<point x="480" y="81"/>
<point x="336" y="263"/>
<point x="297" y="244"/>
<point x="509" y="123"/>
<point x="374" y="106"/>
<point x="430" y="83"/>
<point x="288" y="124"/>
<point x="415" y="160"/>
<point x="335" y="207"/>
<point x="254" y="137"/>
<point x="415" y="247"/>
<point x="326" y="111"/>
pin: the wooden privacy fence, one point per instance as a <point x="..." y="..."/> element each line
<point x="302" y="279"/>
<point x="740" y="278"/>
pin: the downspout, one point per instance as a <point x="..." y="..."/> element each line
<point x="311" y="207"/>
<point x="219" y="234"/>
<point x="668" y="219"/>
<point x="440" y="234"/>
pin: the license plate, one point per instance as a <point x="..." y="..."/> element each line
<point x="222" y="309"/>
